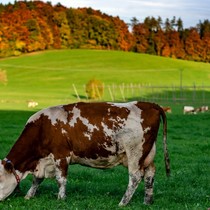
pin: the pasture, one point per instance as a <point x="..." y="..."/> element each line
<point x="87" y="188"/>
<point x="47" y="78"/>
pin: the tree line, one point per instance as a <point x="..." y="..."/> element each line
<point x="29" y="26"/>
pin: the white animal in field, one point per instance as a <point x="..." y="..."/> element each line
<point x="189" y="110"/>
<point x="32" y="104"/>
<point x="202" y="109"/>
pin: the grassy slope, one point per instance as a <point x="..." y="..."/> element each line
<point x="47" y="77"/>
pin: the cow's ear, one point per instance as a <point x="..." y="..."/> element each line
<point x="9" y="166"/>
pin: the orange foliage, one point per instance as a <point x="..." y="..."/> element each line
<point x="28" y="26"/>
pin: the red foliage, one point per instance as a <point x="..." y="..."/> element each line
<point x="27" y="26"/>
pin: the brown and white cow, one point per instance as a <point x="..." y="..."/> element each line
<point x="100" y="135"/>
<point x="167" y="109"/>
<point x="202" y="109"/>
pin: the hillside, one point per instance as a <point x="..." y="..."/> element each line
<point x="47" y="77"/>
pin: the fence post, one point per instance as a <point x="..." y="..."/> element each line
<point x="122" y="91"/>
<point x="110" y="92"/>
<point x="194" y="92"/>
<point x="204" y="101"/>
<point x="75" y="90"/>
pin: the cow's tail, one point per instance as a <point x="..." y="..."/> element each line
<point x="166" y="154"/>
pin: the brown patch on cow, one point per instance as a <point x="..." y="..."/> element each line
<point x="151" y="119"/>
<point x="96" y="114"/>
<point x="40" y="138"/>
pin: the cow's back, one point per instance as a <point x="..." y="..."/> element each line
<point x="97" y="132"/>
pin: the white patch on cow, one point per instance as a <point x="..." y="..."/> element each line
<point x="147" y="129"/>
<point x="54" y="114"/>
<point x="107" y="131"/>
<point x="132" y="136"/>
<point x="45" y="168"/>
<point x="8" y="181"/>
<point x="126" y="105"/>
<point x="58" y="162"/>
<point x="63" y="131"/>
<point x="68" y="159"/>
<point x="62" y="182"/>
<point x="35" y="117"/>
<point x="7" y="184"/>
<point x="120" y="121"/>
<point x="57" y="113"/>
<point x="87" y="135"/>
<point x="77" y="116"/>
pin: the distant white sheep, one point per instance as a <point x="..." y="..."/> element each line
<point x="32" y="104"/>
<point x="189" y="109"/>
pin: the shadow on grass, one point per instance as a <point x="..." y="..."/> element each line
<point x="11" y="124"/>
<point x="184" y="97"/>
<point x="82" y="97"/>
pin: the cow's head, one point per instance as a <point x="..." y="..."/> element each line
<point x="8" y="179"/>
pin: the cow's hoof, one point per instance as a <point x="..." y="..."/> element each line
<point x="148" y="201"/>
<point x="62" y="197"/>
<point x="27" y="197"/>
<point x="121" y="204"/>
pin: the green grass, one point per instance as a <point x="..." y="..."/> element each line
<point x="87" y="188"/>
<point x="47" y="77"/>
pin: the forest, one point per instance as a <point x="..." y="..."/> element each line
<point x="30" y="26"/>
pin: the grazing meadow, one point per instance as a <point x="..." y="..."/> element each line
<point x="47" y="78"/>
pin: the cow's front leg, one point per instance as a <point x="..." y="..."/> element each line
<point x="61" y="174"/>
<point x="149" y="183"/>
<point x="62" y="187"/>
<point x="35" y="184"/>
<point x="134" y="180"/>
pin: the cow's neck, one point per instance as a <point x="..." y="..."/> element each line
<point x="22" y="156"/>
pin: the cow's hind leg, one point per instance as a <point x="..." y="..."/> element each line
<point x="35" y="184"/>
<point x="149" y="182"/>
<point x="61" y="174"/>
<point x="134" y="180"/>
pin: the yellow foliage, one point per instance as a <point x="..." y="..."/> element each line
<point x="3" y="77"/>
<point x="94" y="89"/>
<point x="20" y="45"/>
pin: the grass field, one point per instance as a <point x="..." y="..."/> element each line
<point x="187" y="188"/>
<point x="47" y="77"/>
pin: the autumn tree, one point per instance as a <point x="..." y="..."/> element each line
<point x="3" y="76"/>
<point x="193" y="45"/>
<point x="28" y="26"/>
<point x="94" y="89"/>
